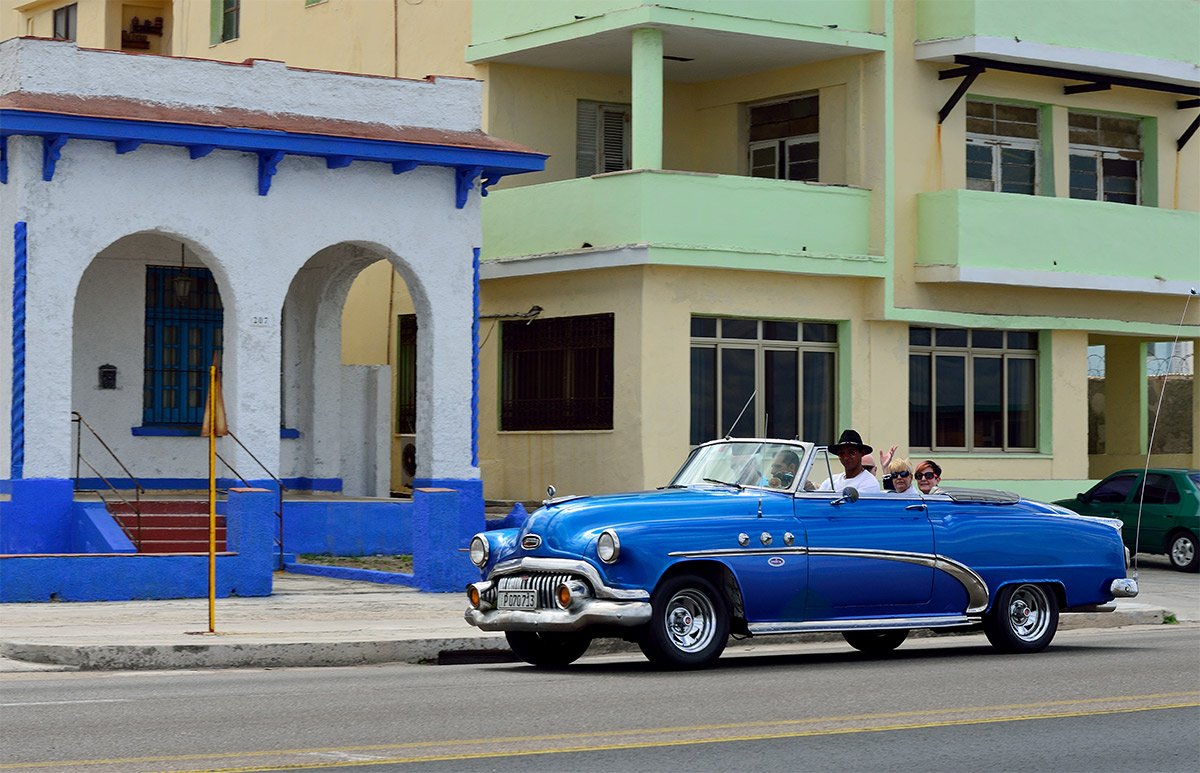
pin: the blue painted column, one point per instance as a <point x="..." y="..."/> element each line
<point x="250" y="532"/>
<point x="438" y="564"/>
<point x="17" y="437"/>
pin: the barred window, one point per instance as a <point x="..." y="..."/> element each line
<point x="763" y="378"/>
<point x="184" y="336"/>
<point x="406" y="374"/>
<point x="972" y="390"/>
<point x="557" y="374"/>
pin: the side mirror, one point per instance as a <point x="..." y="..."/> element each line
<point x="849" y="494"/>
<point x="1083" y="499"/>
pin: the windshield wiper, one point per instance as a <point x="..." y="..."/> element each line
<point x="737" y="486"/>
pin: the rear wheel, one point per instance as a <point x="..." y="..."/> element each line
<point x="548" y="650"/>
<point x="875" y="641"/>
<point x="1181" y="549"/>
<point x="1024" y="618"/>
<point x="689" y="624"/>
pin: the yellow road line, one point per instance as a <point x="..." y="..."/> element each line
<point x="509" y="740"/>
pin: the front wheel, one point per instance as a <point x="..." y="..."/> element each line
<point x="1182" y="551"/>
<point x="689" y="624"/>
<point x="1024" y="618"/>
<point x="547" y="650"/>
<point x="875" y="642"/>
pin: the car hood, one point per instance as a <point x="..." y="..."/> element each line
<point x="570" y="524"/>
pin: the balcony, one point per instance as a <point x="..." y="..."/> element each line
<point x="683" y="218"/>
<point x="704" y="39"/>
<point x="1154" y="41"/>
<point x="1038" y="241"/>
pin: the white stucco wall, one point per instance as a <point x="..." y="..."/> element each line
<point x="104" y="216"/>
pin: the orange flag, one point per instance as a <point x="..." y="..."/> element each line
<point x="221" y="426"/>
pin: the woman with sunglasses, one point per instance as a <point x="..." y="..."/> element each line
<point x="900" y="475"/>
<point x="929" y="476"/>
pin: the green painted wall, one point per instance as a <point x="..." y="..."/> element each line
<point x="498" y="19"/>
<point x="980" y="229"/>
<point x="1164" y="29"/>
<point x="690" y="212"/>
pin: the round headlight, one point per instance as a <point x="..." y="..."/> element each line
<point x="608" y="547"/>
<point x="479" y="550"/>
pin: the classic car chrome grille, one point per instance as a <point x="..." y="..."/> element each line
<point x="544" y="583"/>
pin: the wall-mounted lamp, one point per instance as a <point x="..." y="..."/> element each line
<point x="183" y="282"/>
<point x="108" y="376"/>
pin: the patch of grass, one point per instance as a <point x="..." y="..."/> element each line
<point x="380" y="563"/>
<point x="1170" y="619"/>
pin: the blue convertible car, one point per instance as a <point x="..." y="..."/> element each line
<point x="731" y="547"/>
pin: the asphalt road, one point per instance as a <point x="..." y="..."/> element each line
<point x="1099" y="699"/>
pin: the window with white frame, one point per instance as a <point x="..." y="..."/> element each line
<point x="1002" y="147"/>
<point x="784" y="139"/>
<point x="972" y="389"/>
<point x="763" y="378"/>
<point x="601" y="137"/>
<point x="1106" y="157"/>
<point x="65" y="21"/>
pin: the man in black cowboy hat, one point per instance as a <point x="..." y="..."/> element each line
<point x="850" y="451"/>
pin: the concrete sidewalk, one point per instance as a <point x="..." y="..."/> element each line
<point x="309" y="621"/>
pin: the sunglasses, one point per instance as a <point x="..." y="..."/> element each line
<point x="926" y="475"/>
<point x="901" y="474"/>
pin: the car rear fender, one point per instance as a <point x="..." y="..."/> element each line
<point x="1055" y="586"/>
<point x="721" y="577"/>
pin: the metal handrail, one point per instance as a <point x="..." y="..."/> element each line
<point x="279" y="487"/>
<point x="136" y="505"/>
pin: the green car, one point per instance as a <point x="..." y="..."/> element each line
<point x="1170" y="511"/>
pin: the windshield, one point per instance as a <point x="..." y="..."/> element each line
<point x="750" y="463"/>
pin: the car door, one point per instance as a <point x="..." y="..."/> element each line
<point x="1108" y="499"/>
<point x="1159" y="511"/>
<point x="864" y="557"/>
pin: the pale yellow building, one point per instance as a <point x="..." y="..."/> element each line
<point x="927" y="220"/>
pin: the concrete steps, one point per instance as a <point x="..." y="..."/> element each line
<point x="179" y="526"/>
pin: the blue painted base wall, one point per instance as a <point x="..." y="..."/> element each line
<point x="348" y="528"/>
<point x="244" y="571"/>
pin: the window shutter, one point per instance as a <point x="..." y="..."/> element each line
<point x="585" y="139"/>
<point x="614" y="148"/>
<point x="216" y="21"/>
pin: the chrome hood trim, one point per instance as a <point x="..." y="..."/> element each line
<point x="568" y="566"/>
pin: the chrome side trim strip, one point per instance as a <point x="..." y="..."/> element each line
<point x="874" y="624"/>
<point x="793" y="551"/>
<point x="568" y="566"/>
<point x="977" y="589"/>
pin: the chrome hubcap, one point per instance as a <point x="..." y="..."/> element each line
<point x="1027" y="612"/>
<point x="1182" y="551"/>
<point x="690" y="620"/>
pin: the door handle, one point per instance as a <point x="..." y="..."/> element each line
<point x="915" y="507"/>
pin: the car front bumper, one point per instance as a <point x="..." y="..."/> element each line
<point x="589" y="613"/>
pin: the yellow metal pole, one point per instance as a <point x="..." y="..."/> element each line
<point x="212" y="499"/>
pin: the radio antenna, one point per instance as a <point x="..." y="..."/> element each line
<point x="1137" y="535"/>
<point x="739" y="416"/>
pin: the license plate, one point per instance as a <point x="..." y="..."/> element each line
<point x="517" y="599"/>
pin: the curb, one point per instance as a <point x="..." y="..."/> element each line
<point x="134" y="657"/>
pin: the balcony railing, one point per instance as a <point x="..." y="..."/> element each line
<point x="1039" y="241"/>
<point x="689" y="219"/>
